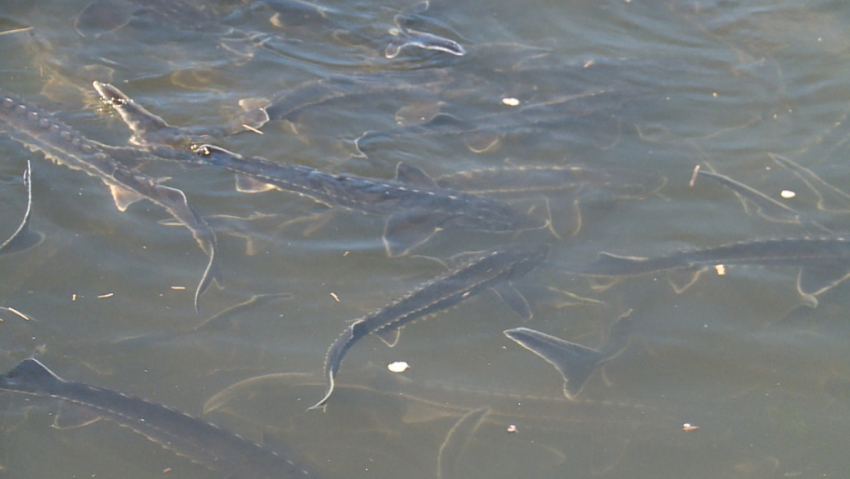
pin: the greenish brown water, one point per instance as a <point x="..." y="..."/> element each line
<point x="712" y="83"/>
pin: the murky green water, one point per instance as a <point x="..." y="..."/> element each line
<point x="720" y="84"/>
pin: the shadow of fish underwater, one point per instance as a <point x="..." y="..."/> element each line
<point x="198" y="440"/>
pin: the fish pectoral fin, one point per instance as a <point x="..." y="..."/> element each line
<point x="482" y="142"/>
<point x="72" y="416"/>
<point x="815" y="279"/>
<point x="23" y="240"/>
<point x="123" y="197"/>
<point x="513" y="298"/>
<point x="405" y="231"/>
<point x="575" y="362"/>
<point x="411" y="175"/>
<point x="682" y="278"/>
<point x="32" y="371"/>
<point x="247" y="184"/>
<point x="388" y="335"/>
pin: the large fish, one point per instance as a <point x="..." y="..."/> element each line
<point x="39" y="131"/>
<point x="23" y="237"/>
<point x="824" y="262"/>
<point x="414" y="205"/>
<point x="575" y="362"/>
<point x="493" y="269"/>
<point x="200" y="441"/>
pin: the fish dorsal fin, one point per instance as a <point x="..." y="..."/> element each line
<point x="388" y="335"/>
<point x="124" y="197"/>
<point x="407" y="230"/>
<point x="411" y="175"/>
<point x="815" y="279"/>
<point x="32" y="371"/>
<point x="482" y="142"/>
<point x="575" y="362"/>
<point x="513" y="298"/>
<point x="247" y="184"/>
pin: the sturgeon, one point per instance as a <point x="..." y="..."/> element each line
<point x="202" y="442"/>
<point x="824" y="262"/>
<point x="492" y="269"/>
<point x="39" y="131"/>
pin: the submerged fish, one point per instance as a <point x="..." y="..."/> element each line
<point x="23" y="238"/>
<point x="415" y="206"/>
<point x="575" y="362"/>
<point x="151" y="130"/>
<point x="39" y="131"/>
<point x="824" y="262"/>
<point x="200" y="441"/>
<point x="483" y="133"/>
<point x="493" y="269"/>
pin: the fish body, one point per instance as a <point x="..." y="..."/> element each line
<point x="39" y="131"/>
<point x="494" y="269"/>
<point x="200" y="441"/>
<point x="415" y="207"/>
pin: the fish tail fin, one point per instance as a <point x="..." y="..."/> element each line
<point x="575" y="362"/>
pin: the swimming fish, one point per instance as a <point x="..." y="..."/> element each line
<point x="823" y="262"/>
<point x="201" y="441"/>
<point x="493" y="269"/>
<point x="39" y="131"/>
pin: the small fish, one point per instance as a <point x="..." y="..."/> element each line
<point x="494" y="270"/>
<point x="575" y="362"/>
<point x="23" y="238"/>
<point x="39" y="131"/>
<point x="823" y="262"/>
<point x="414" y="205"/>
<point x="202" y="442"/>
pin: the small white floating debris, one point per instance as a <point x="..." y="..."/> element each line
<point x="688" y="427"/>
<point x="398" y="366"/>
<point x="693" y="177"/>
<point x="721" y="269"/>
<point x="104" y="296"/>
<point x="178" y="288"/>
<point x="512" y="428"/>
<point x="787" y="194"/>
<point x="334" y="296"/>
<point x="510" y="101"/>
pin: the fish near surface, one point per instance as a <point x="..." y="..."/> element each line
<point x="824" y="262"/>
<point x="488" y="270"/>
<point x="23" y="238"/>
<point x="38" y="131"/>
<point x="415" y="207"/>
<point x="575" y="362"/>
<point x="200" y="441"/>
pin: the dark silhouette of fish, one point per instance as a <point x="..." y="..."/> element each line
<point x="824" y="262"/>
<point x="200" y="441"/>
<point x="575" y="362"/>
<point x="483" y="133"/>
<point x="488" y="270"/>
<point x="415" y="206"/>
<point x="40" y="131"/>
<point x="23" y="238"/>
